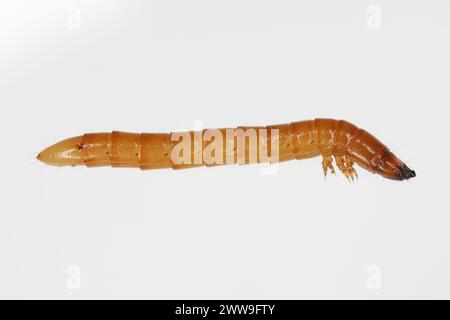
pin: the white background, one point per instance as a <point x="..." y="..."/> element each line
<point x="70" y="67"/>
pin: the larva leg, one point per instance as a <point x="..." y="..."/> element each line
<point x="345" y="165"/>
<point x="327" y="163"/>
<point x="351" y="169"/>
<point x="340" y="162"/>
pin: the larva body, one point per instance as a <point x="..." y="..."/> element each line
<point x="297" y="140"/>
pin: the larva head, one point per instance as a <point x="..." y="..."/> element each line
<point x="389" y="166"/>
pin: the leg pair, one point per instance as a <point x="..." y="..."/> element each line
<point x="344" y="164"/>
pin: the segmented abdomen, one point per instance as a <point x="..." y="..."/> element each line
<point x="297" y="140"/>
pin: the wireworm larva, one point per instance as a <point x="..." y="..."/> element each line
<point x="297" y="140"/>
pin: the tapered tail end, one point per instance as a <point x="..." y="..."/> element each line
<point x="64" y="153"/>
